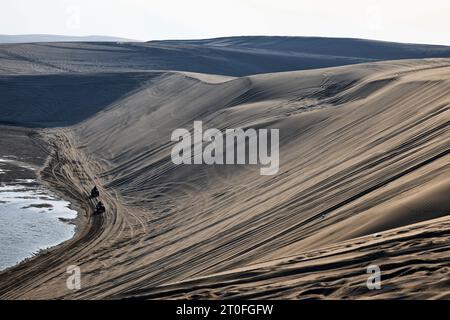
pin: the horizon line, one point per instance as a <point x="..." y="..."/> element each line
<point x="133" y="39"/>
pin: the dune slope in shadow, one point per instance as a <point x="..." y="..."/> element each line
<point x="233" y="56"/>
<point x="62" y="99"/>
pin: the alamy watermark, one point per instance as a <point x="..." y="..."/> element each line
<point x="73" y="281"/>
<point x="233" y="146"/>
<point x="374" y="279"/>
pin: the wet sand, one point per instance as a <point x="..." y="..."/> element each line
<point x="30" y="214"/>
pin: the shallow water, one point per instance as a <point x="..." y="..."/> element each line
<point x="30" y="220"/>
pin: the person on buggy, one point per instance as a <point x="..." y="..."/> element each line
<point x="94" y="192"/>
<point x="100" y="208"/>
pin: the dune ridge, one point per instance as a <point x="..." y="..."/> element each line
<point x="230" y="56"/>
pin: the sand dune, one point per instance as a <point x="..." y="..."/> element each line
<point x="62" y="99"/>
<point x="413" y="262"/>
<point x="364" y="178"/>
<point x="234" y="56"/>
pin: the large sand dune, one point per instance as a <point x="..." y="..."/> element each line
<point x="364" y="179"/>
<point x="233" y="56"/>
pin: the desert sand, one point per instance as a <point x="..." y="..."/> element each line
<point x="364" y="179"/>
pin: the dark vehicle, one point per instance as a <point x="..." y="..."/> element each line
<point x="99" y="208"/>
<point x="94" y="192"/>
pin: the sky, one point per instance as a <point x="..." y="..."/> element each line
<point x="410" y="21"/>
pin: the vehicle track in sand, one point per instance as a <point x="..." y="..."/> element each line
<point x="70" y="173"/>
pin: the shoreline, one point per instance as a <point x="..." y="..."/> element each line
<point x="55" y="175"/>
<point x="21" y="170"/>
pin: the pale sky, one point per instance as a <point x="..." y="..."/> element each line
<point x="417" y="21"/>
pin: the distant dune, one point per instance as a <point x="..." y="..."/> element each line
<point x="235" y="56"/>
<point x="32" y="38"/>
<point x="337" y="47"/>
<point x="61" y="99"/>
